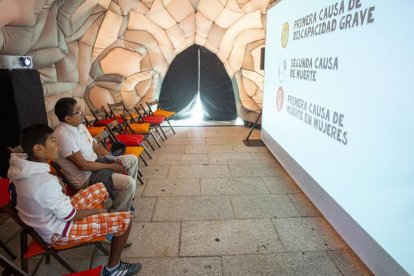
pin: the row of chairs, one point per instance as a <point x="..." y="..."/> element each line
<point x="121" y="125"/>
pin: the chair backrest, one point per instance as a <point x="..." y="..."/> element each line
<point x="100" y="113"/>
<point x="153" y="106"/>
<point x="116" y="108"/>
<point x="104" y="138"/>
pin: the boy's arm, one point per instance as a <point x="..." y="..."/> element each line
<point x="80" y="214"/>
<point x="99" y="149"/>
<point x="84" y="165"/>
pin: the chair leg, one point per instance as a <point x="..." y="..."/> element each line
<point x="146" y="139"/>
<point x="143" y="160"/>
<point x="147" y="152"/>
<point x="168" y="121"/>
<point x="140" y="180"/>
<point x="47" y="260"/>
<point x="139" y="173"/>
<point x="163" y="132"/>
<point x="23" y="248"/>
<point x="159" y="134"/>
<point x="4" y="246"/>
<point x="156" y="141"/>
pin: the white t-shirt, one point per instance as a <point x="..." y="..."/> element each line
<point x="71" y="140"/>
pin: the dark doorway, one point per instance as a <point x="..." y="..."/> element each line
<point x="198" y="69"/>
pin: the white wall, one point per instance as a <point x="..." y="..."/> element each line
<point x="365" y="164"/>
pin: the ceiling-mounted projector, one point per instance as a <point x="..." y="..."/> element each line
<point x="15" y="62"/>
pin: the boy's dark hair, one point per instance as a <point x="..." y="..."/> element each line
<point x="64" y="107"/>
<point x="33" y="135"/>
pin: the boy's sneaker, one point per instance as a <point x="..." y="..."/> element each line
<point x="124" y="269"/>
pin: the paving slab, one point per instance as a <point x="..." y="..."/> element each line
<point x="182" y="159"/>
<point x="349" y="263"/>
<point x="209" y="148"/>
<point x="304" y="205"/>
<point x="240" y="158"/>
<point x="245" y="170"/>
<point x="307" y="234"/>
<point x="228" y="237"/>
<point x="193" y="208"/>
<point x="289" y="264"/>
<point x="144" y="208"/>
<point x="173" y="187"/>
<point x="153" y="239"/>
<point x="263" y="206"/>
<point x="171" y="148"/>
<point x="155" y="171"/>
<point x="199" y="266"/>
<point x="199" y="171"/>
<point x="233" y="186"/>
<point x="281" y="185"/>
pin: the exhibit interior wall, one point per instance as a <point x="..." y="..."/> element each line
<point x="337" y="114"/>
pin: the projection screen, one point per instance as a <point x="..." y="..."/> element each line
<point x="338" y="114"/>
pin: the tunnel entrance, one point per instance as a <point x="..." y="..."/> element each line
<point x="195" y="75"/>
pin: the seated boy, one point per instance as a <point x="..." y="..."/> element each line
<point x="82" y="158"/>
<point x="58" y="219"/>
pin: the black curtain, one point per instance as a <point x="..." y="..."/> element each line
<point x="180" y="86"/>
<point x="216" y="90"/>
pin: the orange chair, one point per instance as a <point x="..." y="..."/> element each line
<point x="160" y="112"/>
<point x="38" y="247"/>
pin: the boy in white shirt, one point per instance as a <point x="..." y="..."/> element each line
<point x="58" y="219"/>
<point x="82" y="158"/>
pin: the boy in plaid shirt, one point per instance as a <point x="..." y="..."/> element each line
<point x="58" y="219"/>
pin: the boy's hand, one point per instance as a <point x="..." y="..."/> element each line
<point x="118" y="168"/>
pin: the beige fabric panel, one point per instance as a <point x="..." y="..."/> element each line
<point x="160" y="16"/>
<point x="128" y="5"/>
<point x="237" y="54"/>
<point x="17" y="13"/>
<point x="253" y="5"/>
<point x="180" y="9"/>
<point x="130" y="83"/>
<point x="108" y="33"/>
<point x="188" y="25"/>
<point x="122" y="62"/>
<point x="211" y="9"/>
<point x="66" y="68"/>
<point x="143" y="87"/>
<point x="249" y="21"/>
<point x="228" y="17"/>
<point x="177" y="37"/>
<point x="203" y="25"/>
<point x="140" y="22"/>
<point x="100" y="96"/>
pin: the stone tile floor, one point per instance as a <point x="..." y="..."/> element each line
<point x="212" y="206"/>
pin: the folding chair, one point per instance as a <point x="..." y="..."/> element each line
<point x="102" y="117"/>
<point x="133" y="140"/>
<point x="160" y="112"/>
<point x="141" y="128"/>
<point x="120" y="109"/>
<point x="106" y="139"/>
<point x="39" y="247"/>
<point x="4" y="200"/>
<point x="155" y="121"/>
<point x="131" y="121"/>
